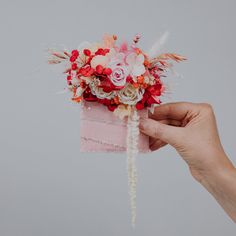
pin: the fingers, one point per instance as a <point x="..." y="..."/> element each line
<point x="166" y="133"/>
<point x="156" y="144"/>
<point x="174" y="111"/>
<point x="170" y="122"/>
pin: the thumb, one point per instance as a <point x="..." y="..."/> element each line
<point x="167" y="133"/>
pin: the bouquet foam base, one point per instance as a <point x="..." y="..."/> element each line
<point x="102" y="131"/>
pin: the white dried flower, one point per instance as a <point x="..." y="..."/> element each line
<point x="75" y="81"/>
<point x="130" y="95"/>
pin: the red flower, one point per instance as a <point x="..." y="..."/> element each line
<point x="104" y="101"/>
<point x="83" y="84"/>
<point x="151" y="96"/>
<point x="87" y="52"/>
<point x="73" y="58"/>
<point x="99" y="69"/>
<point x="155" y="90"/>
<point x="112" y="107"/>
<point x="69" y="77"/>
<point x="107" y="85"/>
<point x="74" y="66"/>
<point x="75" y="53"/>
<point x="88" y="96"/>
<point x="153" y="100"/>
<point x="86" y="71"/>
<point x="106" y="50"/>
<point x="140" y="105"/>
<point x="129" y="79"/>
<point x="107" y="71"/>
<point x="102" y="51"/>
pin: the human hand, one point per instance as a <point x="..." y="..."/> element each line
<point x="191" y="129"/>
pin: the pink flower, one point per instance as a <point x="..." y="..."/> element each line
<point x="118" y="76"/>
<point x="120" y="71"/>
<point x="135" y="63"/>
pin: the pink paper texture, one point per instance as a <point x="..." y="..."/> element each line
<point x="102" y="131"/>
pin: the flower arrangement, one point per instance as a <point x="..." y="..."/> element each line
<point x="115" y="76"/>
<point x="121" y="77"/>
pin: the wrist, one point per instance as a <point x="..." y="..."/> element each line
<point x="221" y="184"/>
<point x="213" y="168"/>
<point x="218" y="176"/>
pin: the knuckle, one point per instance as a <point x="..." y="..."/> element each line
<point x="157" y="131"/>
<point x="207" y="107"/>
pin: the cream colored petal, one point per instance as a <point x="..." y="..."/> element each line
<point x="138" y="70"/>
<point x="140" y="59"/>
<point x="99" y="60"/>
<point x="79" y="91"/>
<point x="131" y="58"/>
<point x="75" y="81"/>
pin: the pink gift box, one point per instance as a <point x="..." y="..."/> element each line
<point x="102" y="131"/>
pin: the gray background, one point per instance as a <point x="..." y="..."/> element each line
<point x="47" y="187"/>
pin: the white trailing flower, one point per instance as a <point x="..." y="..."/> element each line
<point x="132" y="151"/>
<point x="130" y="95"/>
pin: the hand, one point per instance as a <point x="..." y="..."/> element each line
<point x="191" y="129"/>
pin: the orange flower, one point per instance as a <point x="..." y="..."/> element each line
<point x="76" y="99"/>
<point x="116" y="100"/>
<point x="140" y="79"/>
<point x="138" y="51"/>
<point x="136" y="85"/>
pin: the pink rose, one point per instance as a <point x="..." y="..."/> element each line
<point x="120" y="70"/>
<point x="118" y="76"/>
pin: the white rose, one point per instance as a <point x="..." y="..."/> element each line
<point x="130" y="95"/>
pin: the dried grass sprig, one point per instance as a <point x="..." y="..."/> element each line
<point x="168" y="56"/>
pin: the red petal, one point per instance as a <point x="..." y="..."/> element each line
<point x="107" y="71"/>
<point x="139" y="106"/>
<point x="99" y="69"/>
<point x="155" y="90"/>
<point x="153" y="100"/>
<point x="87" y="52"/>
<point x="112" y="107"/>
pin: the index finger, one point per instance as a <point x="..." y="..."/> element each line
<point x="176" y="111"/>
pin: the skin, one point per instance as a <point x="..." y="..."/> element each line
<point x="191" y="129"/>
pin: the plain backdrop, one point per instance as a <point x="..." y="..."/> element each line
<point x="49" y="188"/>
